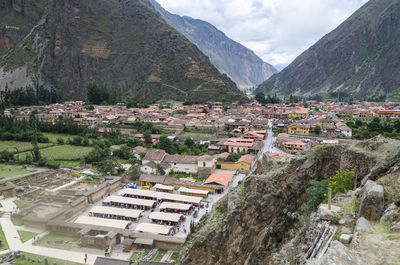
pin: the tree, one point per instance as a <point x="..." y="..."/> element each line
<point x="36" y="155"/>
<point x="60" y="141"/>
<point x="260" y="97"/>
<point x="317" y="130"/>
<point x="134" y="173"/>
<point x="166" y="144"/>
<point x="204" y="111"/>
<point x="160" y="170"/>
<point x="189" y="142"/>
<point x="147" y="138"/>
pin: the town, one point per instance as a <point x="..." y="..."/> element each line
<point x="133" y="183"/>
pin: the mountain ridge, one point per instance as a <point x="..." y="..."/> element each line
<point x="124" y="46"/>
<point x="229" y="56"/>
<point x="355" y="60"/>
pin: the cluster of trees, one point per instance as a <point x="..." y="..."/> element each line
<point x="143" y="127"/>
<point x="260" y="97"/>
<point x="233" y="157"/>
<point x="101" y="95"/>
<point x="29" y="96"/>
<point x="188" y="148"/>
<point x="369" y="129"/>
<point x="22" y="126"/>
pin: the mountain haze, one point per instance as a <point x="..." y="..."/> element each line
<point x="239" y="62"/>
<point x="359" y="59"/>
<point x="123" y="45"/>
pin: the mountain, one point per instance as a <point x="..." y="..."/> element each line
<point x="239" y="62"/>
<point x="358" y="59"/>
<point x="122" y="45"/>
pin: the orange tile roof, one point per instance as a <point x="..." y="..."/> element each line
<point x="223" y="178"/>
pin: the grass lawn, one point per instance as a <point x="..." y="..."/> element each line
<point x="26" y="235"/>
<point x="138" y="255"/>
<point x="64" y="152"/>
<point x="21" y="146"/>
<point x="3" y="239"/>
<point x="68" y="242"/>
<point x="22" y="203"/>
<point x="160" y="255"/>
<point x="178" y="176"/>
<point x="69" y="163"/>
<point x="174" y="256"/>
<point x="54" y="136"/>
<point x="19" y="261"/>
<point x="17" y="222"/>
<point x="196" y="134"/>
<point x="7" y="171"/>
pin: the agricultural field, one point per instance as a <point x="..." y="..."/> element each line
<point x="64" y="152"/>
<point x="13" y="146"/>
<point x="54" y="136"/>
<point x="11" y="171"/>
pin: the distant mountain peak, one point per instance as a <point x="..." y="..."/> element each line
<point x="241" y="64"/>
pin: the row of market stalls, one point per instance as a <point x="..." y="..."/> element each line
<point x="160" y="196"/>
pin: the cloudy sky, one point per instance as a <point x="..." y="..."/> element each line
<point x="276" y="30"/>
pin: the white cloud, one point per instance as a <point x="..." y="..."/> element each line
<point x="276" y="30"/>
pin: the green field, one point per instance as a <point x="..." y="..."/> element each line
<point x="68" y="242"/>
<point x="11" y="171"/>
<point x="192" y="134"/>
<point x="64" y="152"/>
<point x="3" y="239"/>
<point x="26" y="235"/>
<point x="138" y="255"/>
<point x="20" y="261"/>
<point x="13" y="146"/>
<point x="160" y="255"/>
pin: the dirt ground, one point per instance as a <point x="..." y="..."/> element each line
<point x="380" y="248"/>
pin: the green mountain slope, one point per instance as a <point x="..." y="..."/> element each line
<point x="124" y="46"/>
<point x="358" y="59"/>
<point x="239" y="62"/>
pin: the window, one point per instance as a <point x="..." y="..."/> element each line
<point x="204" y="164"/>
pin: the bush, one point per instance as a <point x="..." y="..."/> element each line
<point x="315" y="195"/>
<point x="342" y="182"/>
<point x="60" y="141"/>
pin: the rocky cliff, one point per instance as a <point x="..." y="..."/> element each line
<point x="255" y="223"/>
<point x="358" y="59"/>
<point x="124" y="46"/>
<point x="230" y="57"/>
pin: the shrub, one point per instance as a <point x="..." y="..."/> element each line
<point x="342" y="182"/>
<point x="60" y="141"/>
<point x="315" y="195"/>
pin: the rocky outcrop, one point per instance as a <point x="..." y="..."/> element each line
<point x="230" y="57"/>
<point x="264" y="218"/>
<point x="391" y="214"/>
<point x="356" y="60"/>
<point x="76" y="46"/>
<point x="338" y="254"/>
<point x="372" y="202"/>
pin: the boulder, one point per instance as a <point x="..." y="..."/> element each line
<point x="345" y="238"/>
<point x="372" y="202"/>
<point x="391" y="214"/>
<point x="361" y="225"/>
<point x="325" y="214"/>
<point x="337" y="254"/>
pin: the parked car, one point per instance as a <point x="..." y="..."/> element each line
<point x="196" y="214"/>
<point x="132" y="186"/>
<point x="145" y="188"/>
